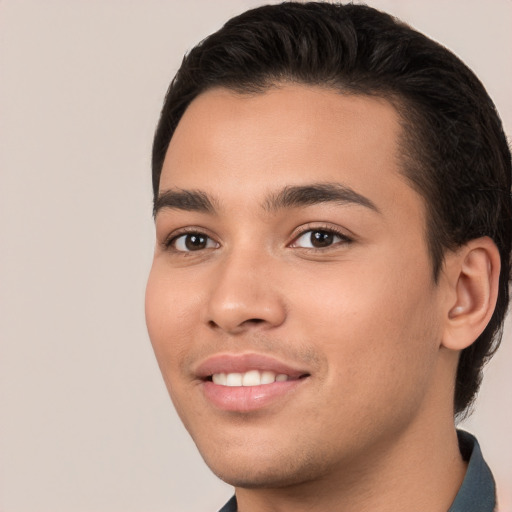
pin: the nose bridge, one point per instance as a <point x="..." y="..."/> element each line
<point x="243" y="293"/>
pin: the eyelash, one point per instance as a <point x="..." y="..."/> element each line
<point x="170" y="242"/>
<point x="322" y="229"/>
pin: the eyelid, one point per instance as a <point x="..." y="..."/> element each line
<point x="167" y="243"/>
<point x="346" y="238"/>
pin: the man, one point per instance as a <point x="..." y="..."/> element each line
<point x="333" y="221"/>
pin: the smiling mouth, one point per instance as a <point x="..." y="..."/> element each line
<point x="245" y="383"/>
<point x="251" y="378"/>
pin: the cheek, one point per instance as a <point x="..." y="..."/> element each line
<point x="166" y="312"/>
<point x="377" y="328"/>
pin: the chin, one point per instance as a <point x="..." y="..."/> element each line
<point x="262" y="478"/>
<point x="270" y="470"/>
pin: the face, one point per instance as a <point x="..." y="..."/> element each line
<point x="290" y="303"/>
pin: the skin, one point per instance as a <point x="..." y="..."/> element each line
<point x="372" y="425"/>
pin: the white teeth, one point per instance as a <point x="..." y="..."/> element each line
<point x="219" y="378"/>
<point x="234" y="379"/>
<point x="267" y="377"/>
<point x="250" y="378"/>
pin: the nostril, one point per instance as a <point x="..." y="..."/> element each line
<point x="244" y="324"/>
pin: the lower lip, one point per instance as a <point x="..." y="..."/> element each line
<point x="248" y="398"/>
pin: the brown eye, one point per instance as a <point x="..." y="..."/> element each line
<point x="193" y="242"/>
<point x="319" y="239"/>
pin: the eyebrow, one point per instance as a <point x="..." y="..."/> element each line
<point x="316" y="193"/>
<point x="289" y="197"/>
<point x="187" y="200"/>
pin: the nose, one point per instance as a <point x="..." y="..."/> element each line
<point x="244" y="295"/>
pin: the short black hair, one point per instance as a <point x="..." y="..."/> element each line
<point x="453" y="148"/>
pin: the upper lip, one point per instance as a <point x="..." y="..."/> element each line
<point x="241" y="363"/>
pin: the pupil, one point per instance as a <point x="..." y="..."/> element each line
<point x="321" y="238"/>
<point x="194" y="242"/>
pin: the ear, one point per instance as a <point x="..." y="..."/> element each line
<point x="473" y="276"/>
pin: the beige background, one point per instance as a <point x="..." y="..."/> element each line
<point x="85" y="423"/>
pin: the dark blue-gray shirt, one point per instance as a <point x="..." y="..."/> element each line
<point x="478" y="491"/>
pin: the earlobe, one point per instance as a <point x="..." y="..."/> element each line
<point x="474" y="270"/>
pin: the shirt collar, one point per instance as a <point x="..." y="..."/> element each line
<point x="230" y="506"/>
<point x="478" y="491"/>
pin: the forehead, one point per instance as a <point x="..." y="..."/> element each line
<point x="237" y="145"/>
